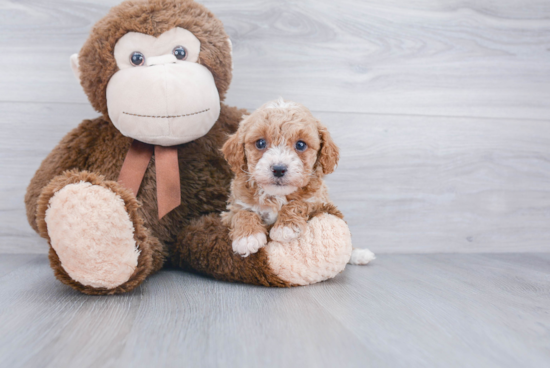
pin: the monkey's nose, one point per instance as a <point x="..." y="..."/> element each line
<point x="279" y="170"/>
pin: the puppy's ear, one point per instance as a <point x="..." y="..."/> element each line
<point x="328" y="154"/>
<point x="233" y="151"/>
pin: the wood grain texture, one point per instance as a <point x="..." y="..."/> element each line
<point x="452" y="58"/>
<point x="440" y="184"/>
<point x="401" y="311"/>
<point x="405" y="183"/>
<point x="28" y="132"/>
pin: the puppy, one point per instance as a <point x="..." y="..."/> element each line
<point x="279" y="155"/>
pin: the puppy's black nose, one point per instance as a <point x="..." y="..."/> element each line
<point x="278" y="170"/>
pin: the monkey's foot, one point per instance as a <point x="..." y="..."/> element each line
<point x="319" y="253"/>
<point x="92" y="234"/>
<point x="98" y="244"/>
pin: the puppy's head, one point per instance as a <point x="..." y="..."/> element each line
<point x="281" y="147"/>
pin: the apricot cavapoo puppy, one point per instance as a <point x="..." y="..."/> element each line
<point x="279" y="154"/>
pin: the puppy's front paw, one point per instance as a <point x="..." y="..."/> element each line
<point x="284" y="234"/>
<point x="250" y="244"/>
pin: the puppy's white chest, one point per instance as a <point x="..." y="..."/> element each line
<point x="268" y="214"/>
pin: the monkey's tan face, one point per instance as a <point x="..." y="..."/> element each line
<point x="161" y="95"/>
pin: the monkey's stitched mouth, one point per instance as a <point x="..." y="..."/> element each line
<point x="165" y="117"/>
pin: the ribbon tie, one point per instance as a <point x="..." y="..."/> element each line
<point x="167" y="168"/>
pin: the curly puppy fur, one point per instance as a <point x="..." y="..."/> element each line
<point x="95" y="150"/>
<point x="262" y="200"/>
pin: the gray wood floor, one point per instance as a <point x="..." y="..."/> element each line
<point x="441" y="109"/>
<point x="482" y="310"/>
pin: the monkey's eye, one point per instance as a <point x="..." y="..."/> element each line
<point x="180" y="52"/>
<point x="301" y="146"/>
<point x="261" y="144"/>
<point x="137" y="58"/>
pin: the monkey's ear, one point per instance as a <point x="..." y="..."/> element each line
<point x="230" y="51"/>
<point x="75" y="66"/>
<point x="233" y="151"/>
<point x="329" y="153"/>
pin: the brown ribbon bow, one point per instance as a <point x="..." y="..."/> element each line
<point x="167" y="168"/>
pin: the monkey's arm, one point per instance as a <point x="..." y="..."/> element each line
<point x="230" y="118"/>
<point x="71" y="153"/>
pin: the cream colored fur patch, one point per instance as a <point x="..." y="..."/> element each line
<point x="320" y="253"/>
<point x="92" y="234"/>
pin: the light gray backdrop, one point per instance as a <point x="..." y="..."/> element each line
<point x="441" y="109"/>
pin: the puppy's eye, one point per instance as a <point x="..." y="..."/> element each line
<point x="261" y="144"/>
<point x="180" y="52"/>
<point x="301" y="146"/>
<point x="137" y="58"/>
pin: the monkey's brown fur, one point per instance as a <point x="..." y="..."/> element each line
<point x="192" y="235"/>
<point x="152" y="17"/>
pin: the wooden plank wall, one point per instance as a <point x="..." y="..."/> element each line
<point x="441" y="109"/>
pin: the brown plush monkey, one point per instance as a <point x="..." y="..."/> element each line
<point x="104" y="198"/>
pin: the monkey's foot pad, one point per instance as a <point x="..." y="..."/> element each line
<point x="92" y="234"/>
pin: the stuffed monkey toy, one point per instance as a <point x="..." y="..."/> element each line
<point x="143" y="185"/>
